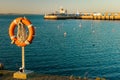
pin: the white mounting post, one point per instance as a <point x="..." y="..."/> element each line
<point x="23" y="58"/>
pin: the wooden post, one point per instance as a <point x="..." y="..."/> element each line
<point x="23" y="58"/>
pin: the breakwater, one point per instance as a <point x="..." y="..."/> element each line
<point x="89" y="16"/>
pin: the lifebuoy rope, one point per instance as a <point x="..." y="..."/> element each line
<point x="21" y="32"/>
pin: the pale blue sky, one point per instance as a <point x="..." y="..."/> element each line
<point x="48" y="6"/>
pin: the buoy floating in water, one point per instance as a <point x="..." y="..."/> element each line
<point x="65" y="34"/>
<point x="93" y="31"/>
<point x="80" y="25"/>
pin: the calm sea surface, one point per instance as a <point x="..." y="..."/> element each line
<point x="65" y="47"/>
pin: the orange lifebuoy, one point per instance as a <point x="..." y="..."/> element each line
<point x="30" y="27"/>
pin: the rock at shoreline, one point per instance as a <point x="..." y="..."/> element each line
<point x="1" y="66"/>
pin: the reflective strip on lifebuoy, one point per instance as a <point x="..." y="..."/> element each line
<point x="30" y="29"/>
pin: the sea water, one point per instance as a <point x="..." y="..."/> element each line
<point x="65" y="47"/>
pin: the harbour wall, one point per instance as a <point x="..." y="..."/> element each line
<point x="99" y="17"/>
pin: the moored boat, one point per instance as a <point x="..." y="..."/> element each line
<point x="62" y="14"/>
